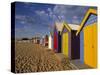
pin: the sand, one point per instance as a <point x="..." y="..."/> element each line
<point x="31" y="57"/>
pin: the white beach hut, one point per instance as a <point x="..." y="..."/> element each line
<point x="50" y="46"/>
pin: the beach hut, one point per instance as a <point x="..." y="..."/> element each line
<point x="57" y="37"/>
<point x="42" y="41"/>
<point x="38" y="40"/>
<point x="70" y="42"/>
<point x="33" y="40"/>
<point x="88" y="27"/>
<point x="46" y="40"/>
<point x="50" y="41"/>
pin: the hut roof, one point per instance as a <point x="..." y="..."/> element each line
<point x="74" y="26"/>
<point x="70" y="27"/>
<point x="90" y="11"/>
<point x="59" y="26"/>
<point x="51" y="33"/>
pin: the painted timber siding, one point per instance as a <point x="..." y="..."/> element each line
<point x="82" y="47"/>
<point x="57" y="37"/>
<point x="90" y="45"/>
<point x="50" y="42"/>
<point x="55" y="41"/>
<point x="75" y="45"/>
<point x="89" y="28"/>
<point x="46" y="40"/>
<point x="71" y="42"/>
<point x="59" y="42"/>
<point x="66" y="42"/>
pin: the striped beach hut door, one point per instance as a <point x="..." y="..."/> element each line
<point x="65" y="44"/>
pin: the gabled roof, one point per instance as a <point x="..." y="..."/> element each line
<point x="74" y="26"/>
<point x="70" y="26"/>
<point x="90" y="11"/>
<point x="51" y="33"/>
<point x="66" y="25"/>
<point x="59" y="26"/>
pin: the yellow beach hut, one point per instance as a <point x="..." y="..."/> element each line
<point x="70" y="42"/>
<point x="89" y="28"/>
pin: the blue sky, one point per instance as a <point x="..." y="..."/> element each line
<point x="35" y="18"/>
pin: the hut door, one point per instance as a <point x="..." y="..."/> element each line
<point x="65" y="44"/>
<point x="55" y="41"/>
<point x="90" y="45"/>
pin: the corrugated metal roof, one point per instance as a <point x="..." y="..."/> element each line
<point x="74" y="26"/>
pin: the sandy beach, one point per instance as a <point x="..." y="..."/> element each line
<point x="31" y="57"/>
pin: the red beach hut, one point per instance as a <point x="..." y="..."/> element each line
<point x="57" y="37"/>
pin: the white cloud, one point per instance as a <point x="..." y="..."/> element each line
<point x="24" y="19"/>
<point x="20" y="17"/>
<point x="63" y="13"/>
<point x="41" y="13"/>
<point x="61" y="10"/>
<point x="49" y="9"/>
<point x="57" y="13"/>
<point x="22" y="22"/>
